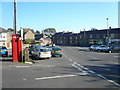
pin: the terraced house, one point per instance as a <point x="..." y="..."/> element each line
<point x="87" y="38"/>
<point x="6" y="37"/>
<point x="28" y="34"/>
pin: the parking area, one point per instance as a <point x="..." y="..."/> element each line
<point x="80" y="68"/>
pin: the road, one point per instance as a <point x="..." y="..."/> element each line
<point x="78" y="68"/>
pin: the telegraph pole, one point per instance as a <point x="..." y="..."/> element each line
<point x="15" y="17"/>
<point x="85" y="38"/>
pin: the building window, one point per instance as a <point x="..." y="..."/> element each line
<point x="112" y="35"/>
<point x="97" y="35"/>
<point x="3" y="43"/>
<point x="76" y="37"/>
<point x="91" y="36"/>
<point x="80" y="36"/>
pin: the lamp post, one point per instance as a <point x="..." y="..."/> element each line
<point x="107" y="31"/>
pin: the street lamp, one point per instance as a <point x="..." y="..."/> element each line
<point x="107" y="31"/>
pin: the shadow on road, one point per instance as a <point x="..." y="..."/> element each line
<point x="110" y="71"/>
<point x="33" y="58"/>
<point x="95" y="60"/>
<point x="85" y="50"/>
<point x="5" y="59"/>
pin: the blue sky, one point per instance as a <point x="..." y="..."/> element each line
<point x="63" y="16"/>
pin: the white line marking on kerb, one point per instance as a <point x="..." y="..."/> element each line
<point x="61" y="76"/>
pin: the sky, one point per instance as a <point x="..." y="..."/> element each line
<point x="63" y="16"/>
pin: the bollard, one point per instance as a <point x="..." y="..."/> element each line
<point x="26" y="56"/>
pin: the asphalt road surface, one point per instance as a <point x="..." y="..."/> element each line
<point x="77" y="68"/>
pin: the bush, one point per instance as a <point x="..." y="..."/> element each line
<point x="28" y="42"/>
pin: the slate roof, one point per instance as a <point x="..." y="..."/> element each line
<point x="62" y="33"/>
<point x="2" y="29"/>
<point x="112" y="30"/>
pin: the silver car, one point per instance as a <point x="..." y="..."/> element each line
<point x="103" y="48"/>
<point x="93" y="47"/>
<point x="41" y="52"/>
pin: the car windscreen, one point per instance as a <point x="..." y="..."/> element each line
<point x="103" y="46"/>
<point x="57" y="49"/>
<point x="44" y="50"/>
<point x="3" y="48"/>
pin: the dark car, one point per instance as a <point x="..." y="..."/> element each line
<point x="3" y="51"/>
<point x="114" y="48"/>
<point x="56" y="51"/>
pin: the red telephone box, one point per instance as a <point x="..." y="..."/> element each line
<point x="19" y="49"/>
<point x="16" y="48"/>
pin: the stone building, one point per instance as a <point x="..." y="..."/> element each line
<point x="87" y="38"/>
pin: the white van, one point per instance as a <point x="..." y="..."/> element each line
<point x="41" y="52"/>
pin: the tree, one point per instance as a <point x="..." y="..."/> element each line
<point x="50" y="30"/>
<point x="93" y="29"/>
<point x="25" y="30"/>
<point x="38" y="32"/>
<point x="10" y="29"/>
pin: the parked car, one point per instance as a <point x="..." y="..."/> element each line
<point x="93" y="47"/>
<point x="56" y="51"/>
<point x="30" y="49"/>
<point x="3" y="51"/>
<point x="41" y="52"/>
<point x="114" y="48"/>
<point x="103" y="48"/>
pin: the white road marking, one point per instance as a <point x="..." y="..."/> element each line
<point x="24" y="79"/>
<point x="44" y="65"/>
<point x="64" y="55"/>
<point x="61" y="76"/>
<point x="85" y="68"/>
<point x="22" y="66"/>
<point x="31" y="65"/>
<point x="79" y="68"/>
<point x="111" y="81"/>
<point x="70" y="59"/>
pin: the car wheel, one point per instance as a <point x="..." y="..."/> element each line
<point x="110" y="51"/>
<point x="6" y="54"/>
<point x="60" y="55"/>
